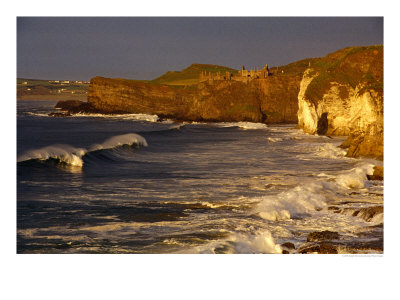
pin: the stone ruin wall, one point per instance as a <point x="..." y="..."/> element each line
<point x="242" y="76"/>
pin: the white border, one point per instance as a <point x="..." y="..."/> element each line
<point x="196" y="276"/>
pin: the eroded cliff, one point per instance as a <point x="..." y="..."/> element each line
<point x="270" y="100"/>
<point x="342" y="94"/>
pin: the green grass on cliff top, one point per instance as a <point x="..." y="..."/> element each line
<point x="349" y="67"/>
<point x="190" y="75"/>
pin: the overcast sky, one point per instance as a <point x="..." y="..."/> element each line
<point x="145" y="48"/>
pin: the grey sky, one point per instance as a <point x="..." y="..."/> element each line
<point x="145" y="48"/>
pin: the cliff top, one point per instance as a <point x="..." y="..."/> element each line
<point x="295" y="68"/>
<point x="349" y="66"/>
<point x="190" y="75"/>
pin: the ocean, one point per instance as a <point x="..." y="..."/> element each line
<point x="137" y="184"/>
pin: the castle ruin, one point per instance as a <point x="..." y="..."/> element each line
<point x="243" y="75"/>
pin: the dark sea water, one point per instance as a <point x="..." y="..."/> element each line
<point x="130" y="184"/>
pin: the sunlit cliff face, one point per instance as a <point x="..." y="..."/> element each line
<point x="349" y="111"/>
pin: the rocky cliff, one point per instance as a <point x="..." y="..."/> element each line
<point x="270" y="100"/>
<point x="342" y="94"/>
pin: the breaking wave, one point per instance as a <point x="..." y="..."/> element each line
<point x="356" y="177"/>
<point x="240" y="243"/>
<point x="63" y="153"/>
<point x="295" y="202"/>
<point x="131" y="117"/>
<point x="312" y="196"/>
<point x="243" y="125"/>
<point x="330" y="150"/>
<point x="128" y="117"/>
<point x="72" y="156"/>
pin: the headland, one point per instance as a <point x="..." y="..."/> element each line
<point x="339" y="94"/>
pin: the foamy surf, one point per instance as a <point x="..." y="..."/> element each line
<point x="312" y="196"/>
<point x="295" y="202"/>
<point x="262" y="242"/>
<point x="330" y="150"/>
<point x="130" y="117"/>
<point x="243" y="125"/>
<point x="356" y="177"/>
<point x="73" y="156"/>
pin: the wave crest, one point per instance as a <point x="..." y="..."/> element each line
<point x="297" y="201"/>
<point x="64" y="153"/>
<point x="356" y="177"/>
<point x="73" y="156"/>
<point x="119" y="140"/>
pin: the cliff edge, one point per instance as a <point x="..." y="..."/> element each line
<point x="268" y="100"/>
<point x="342" y="94"/>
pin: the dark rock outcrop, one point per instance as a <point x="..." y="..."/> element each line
<point x="322" y="236"/>
<point x="60" y="114"/>
<point x="75" y="106"/>
<point x="321" y="248"/>
<point x="368" y="213"/>
<point x="377" y="175"/>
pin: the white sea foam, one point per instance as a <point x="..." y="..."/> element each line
<point x="330" y="150"/>
<point x="73" y="156"/>
<point x="132" y="117"/>
<point x="311" y="196"/>
<point x="299" y="200"/>
<point x="243" y="125"/>
<point x="356" y="177"/>
<point x="37" y="114"/>
<point x="241" y="243"/>
<point x="262" y="242"/>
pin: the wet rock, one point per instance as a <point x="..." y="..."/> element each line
<point x="76" y="106"/>
<point x="322" y="125"/>
<point x="375" y="245"/>
<point x="68" y="104"/>
<point x="321" y="248"/>
<point x="368" y="213"/>
<point x="60" y="114"/>
<point x="322" y="236"/>
<point x="377" y="175"/>
<point x="334" y="208"/>
<point x="289" y="246"/>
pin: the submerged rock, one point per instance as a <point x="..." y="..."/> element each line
<point x="322" y="236"/>
<point x="75" y="106"/>
<point x="377" y="175"/>
<point x="320" y="248"/>
<point x="368" y="213"/>
<point x="288" y="245"/>
<point x="60" y="114"/>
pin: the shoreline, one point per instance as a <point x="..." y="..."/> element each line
<point x="51" y="97"/>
